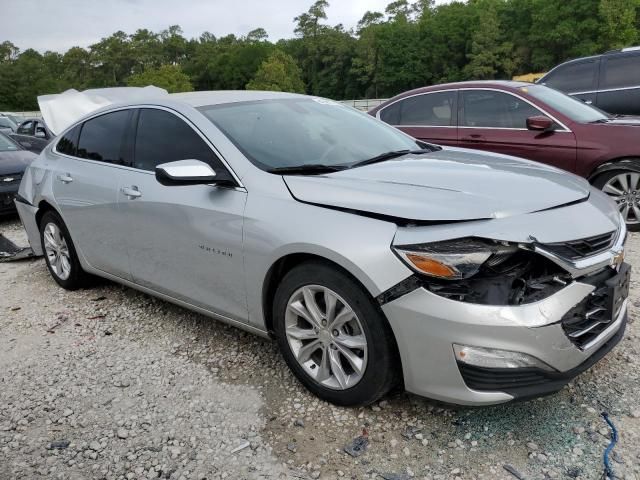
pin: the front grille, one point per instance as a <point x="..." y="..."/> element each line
<point x="588" y="319"/>
<point x="585" y="247"/>
<point x="593" y="315"/>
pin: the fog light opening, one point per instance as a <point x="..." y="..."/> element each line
<point x="495" y="358"/>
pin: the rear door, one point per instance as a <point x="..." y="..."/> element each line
<point x="184" y="241"/>
<point x="619" y="90"/>
<point x="89" y="167"/>
<point x="430" y="116"/>
<point x="496" y="121"/>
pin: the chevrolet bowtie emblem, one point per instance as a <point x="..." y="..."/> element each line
<point x="8" y="179"/>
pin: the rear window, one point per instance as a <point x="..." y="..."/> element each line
<point x="621" y="71"/>
<point x="429" y="109"/>
<point x="101" y="138"/>
<point x="573" y="77"/>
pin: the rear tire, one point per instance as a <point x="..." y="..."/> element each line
<point x="60" y="253"/>
<point x="333" y="336"/>
<point x="623" y="186"/>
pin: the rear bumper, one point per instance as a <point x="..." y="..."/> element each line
<point x="27" y="213"/>
<point x="426" y="326"/>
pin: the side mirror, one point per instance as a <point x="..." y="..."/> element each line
<point x="40" y="133"/>
<point x="540" y="123"/>
<point x="185" y="172"/>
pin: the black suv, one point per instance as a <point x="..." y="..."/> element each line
<point x="610" y="81"/>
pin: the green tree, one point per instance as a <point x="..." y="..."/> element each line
<point x="490" y="56"/>
<point x="278" y="73"/>
<point x="169" y="77"/>
<point x="618" y="23"/>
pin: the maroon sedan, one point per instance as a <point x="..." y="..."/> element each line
<point x="529" y="121"/>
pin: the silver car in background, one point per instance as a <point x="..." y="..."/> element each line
<point x="374" y="260"/>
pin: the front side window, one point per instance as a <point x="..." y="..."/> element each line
<point x="162" y="137"/>
<point x="621" y="71"/>
<point x="292" y="132"/>
<point x="101" y="137"/>
<point x="488" y="108"/>
<point x="26" y="128"/>
<point x="574" y="77"/>
<point x="68" y="143"/>
<point x="432" y="109"/>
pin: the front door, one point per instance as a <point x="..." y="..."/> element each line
<point x="496" y="121"/>
<point x="184" y="241"/>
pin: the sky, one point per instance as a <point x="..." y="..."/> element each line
<point x="60" y="24"/>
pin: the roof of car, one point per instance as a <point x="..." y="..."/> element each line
<point x="199" y="99"/>
<point x="454" y="85"/>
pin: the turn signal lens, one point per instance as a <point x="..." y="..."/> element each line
<point x="454" y="259"/>
<point x="494" y="358"/>
<point x="431" y="267"/>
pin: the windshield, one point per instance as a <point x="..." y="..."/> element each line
<point x="302" y="131"/>
<point x="7" y="145"/>
<point x="6" y="122"/>
<point x="574" y="109"/>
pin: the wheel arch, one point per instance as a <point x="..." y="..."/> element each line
<point x="622" y="163"/>
<point x="286" y="263"/>
<point x="44" y="207"/>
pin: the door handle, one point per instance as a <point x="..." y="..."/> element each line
<point x="588" y="102"/>
<point x="474" y="137"/>
<point x="65" y="178"/>
<point x="131" y="192"/>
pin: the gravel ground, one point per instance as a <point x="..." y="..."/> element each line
<point x="109" y="383"/>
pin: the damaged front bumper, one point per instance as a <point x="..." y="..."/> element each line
<point x="427" y="327"/>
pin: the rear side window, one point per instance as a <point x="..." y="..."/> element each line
<point x="162" y="137"/>
<point x="621" y="71"/>
<point x="68" y="143"/>
<point x="574" y="77"/>
<point x="432" y="109"/>
<point x="101" y="138"/>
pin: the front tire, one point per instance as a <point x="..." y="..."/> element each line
<point x="333" y="336"/>
<point x="623" y="186"/>
<point x="60" y="253"/>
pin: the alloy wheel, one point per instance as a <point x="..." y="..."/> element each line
<point x="326" y="337"/>
<point x="624" y="189"/>
<point x="57" y="250"/>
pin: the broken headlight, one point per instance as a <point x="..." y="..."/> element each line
<point x="455" y="259"/>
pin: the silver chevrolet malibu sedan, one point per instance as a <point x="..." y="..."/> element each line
<point x="373" y="259"/>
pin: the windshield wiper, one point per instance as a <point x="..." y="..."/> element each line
<point x="390" y="156"/>
<point x="310" y="169"/>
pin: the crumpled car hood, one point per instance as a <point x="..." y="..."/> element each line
<point x="447" y="185"/>
<point x="63" y="109"/>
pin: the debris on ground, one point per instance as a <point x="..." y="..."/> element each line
<point x="242" y="446"/>
<point x="358" y="446"/>
<point x="9" y="251"/>
<point x="59" y="445"/>
<point x="513" y="471"/>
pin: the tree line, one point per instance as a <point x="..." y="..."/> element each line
<point x="410" y="44"/>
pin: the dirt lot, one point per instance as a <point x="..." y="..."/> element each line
<point x="109" y="383"/>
